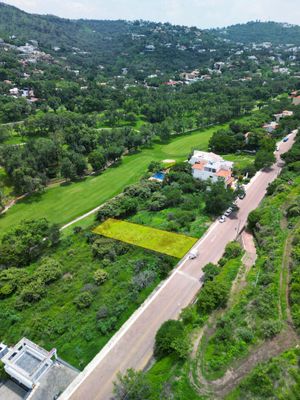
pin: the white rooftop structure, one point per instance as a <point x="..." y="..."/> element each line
<point x="14" y="91"/>
<point x="201" y="156"/>
<point x="27" y="362"/>
<point x="3" y="350"/>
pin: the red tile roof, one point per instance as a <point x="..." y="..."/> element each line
<point x="223" y="173"/>
<point x="199" y="166"/>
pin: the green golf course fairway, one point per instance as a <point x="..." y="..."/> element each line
<point x="62" y="204"/>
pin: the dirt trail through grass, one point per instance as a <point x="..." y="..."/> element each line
<point x="269" y="349"/>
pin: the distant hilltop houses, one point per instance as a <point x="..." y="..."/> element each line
<point x="211" y="166"/>
<point x="270" y="127"/>
<point x="26" y="93"/>
<point x="29" y="53"/>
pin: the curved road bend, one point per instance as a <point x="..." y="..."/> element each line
<point x="132" y="345"/>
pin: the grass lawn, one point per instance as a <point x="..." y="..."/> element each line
<point x="240" y="160"/>
<point x="14" y="138"/>
<point x="172" y="244"/>
<point x="169" y="372"/>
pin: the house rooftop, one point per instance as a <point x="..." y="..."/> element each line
<point x="224" y="173"/>
<point x="199" y="166"/>
<point x="27" y="362"/>
<point x="209" y="156"/>
<point x="32" y="367"/>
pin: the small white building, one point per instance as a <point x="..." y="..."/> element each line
<point x="26" y="362"/>
<point x="150" y="47"/>
<point x="14" y="91"/>
<point x="284" y="114"/>
<point x="271" y="126"/>
<point x="211" y="166"/>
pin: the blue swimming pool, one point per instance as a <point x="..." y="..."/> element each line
<point x="159" y="176"/>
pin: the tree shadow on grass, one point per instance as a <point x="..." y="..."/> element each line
<point x="66" y="183"/>
<point x="31" y="198"/>
<point x="116" y="164"/>
<point x="78" y="180"/>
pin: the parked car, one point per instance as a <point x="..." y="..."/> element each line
<point x="242" y="195"/>
<point x="285" y="139"/>
<point x="228" y="212"/>
<point x="277" y="148"/>
<point x="193" y="254"/>
<point x="234" y="206"/>
<point x="222" y="219"/>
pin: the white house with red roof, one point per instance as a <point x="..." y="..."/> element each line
<point x="211" y="166"/>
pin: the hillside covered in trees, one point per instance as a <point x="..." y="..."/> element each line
<point x="257" y="32"/>
<point x="111" y="44"/>
<point x="140" y="46"/>
<point x="90" y="112"/>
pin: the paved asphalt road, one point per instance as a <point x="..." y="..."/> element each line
<point x="132" y="345"/>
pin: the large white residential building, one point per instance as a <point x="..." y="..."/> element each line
<point x="211" y="166"/>
<point x="34" y="372"/>
<point x="27" y="362"/>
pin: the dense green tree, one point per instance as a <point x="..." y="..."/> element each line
<point x="264" y="159"/>
<point x="167" y="337"/>
<point x="24" y="243"/>
<point x="83" y="300"/>
<point x="212" y="296"/>
<point x="155" y="166"/>
<point x="100" y="276"/>
<point x="31" y="293"/>
<point x="68" y="169"/>
<point x="97" y="159"/>
<point x="133" y="385"/>
<point x="48" y="271"/>
<point x="218" y="198"/>
<point x="210" y="271"/>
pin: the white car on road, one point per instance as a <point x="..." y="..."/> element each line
<point x="193" y="254"/>
<point x="222" y="219"/>
<point x="228" y="212"/>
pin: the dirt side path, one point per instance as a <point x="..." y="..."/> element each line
<point x="285" y="340"/>
<point x="269" y="349"/>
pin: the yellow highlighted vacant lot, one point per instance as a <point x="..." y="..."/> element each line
<point x="169" y="243"/>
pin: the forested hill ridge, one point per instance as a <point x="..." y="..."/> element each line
<point x="103" y="43"/>
<point x="257" y="32"/>
<point x="139" y="46"/>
